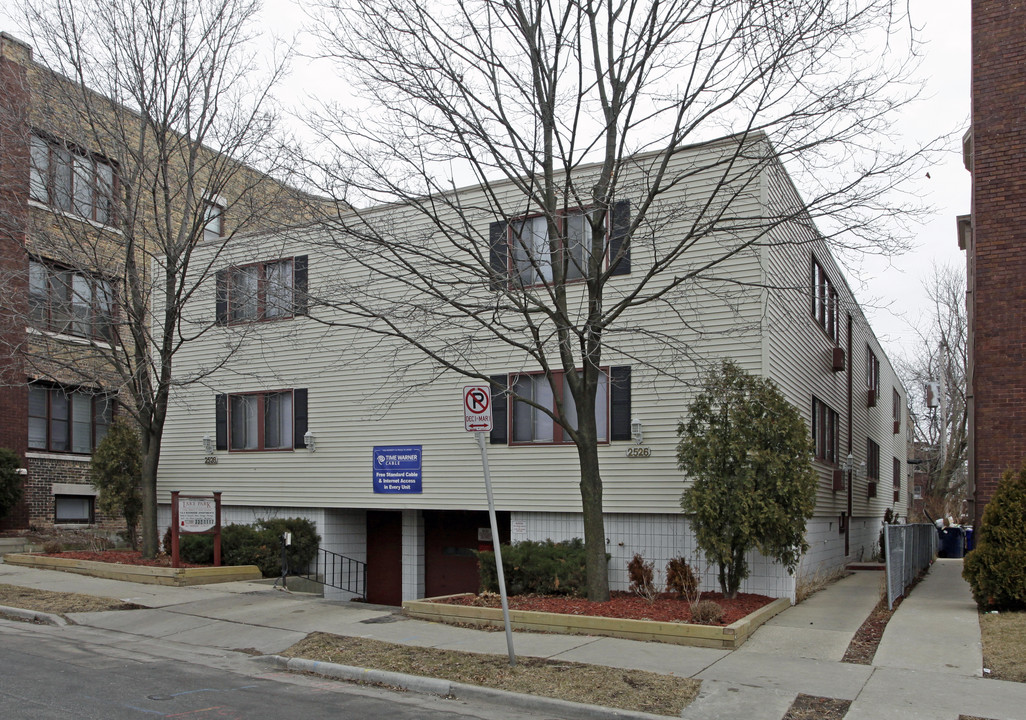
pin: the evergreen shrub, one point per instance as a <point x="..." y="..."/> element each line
<point x="11" y="483"/>
<point x="996" y="569"/>
<point x="542" y="568"/>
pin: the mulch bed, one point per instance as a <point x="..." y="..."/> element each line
<point x="622" y="605"/>
<point x="863" y="645"/>
<point x="867" y="638"/>
<point x="810" y="707"/>
<point x="120" y="557"/>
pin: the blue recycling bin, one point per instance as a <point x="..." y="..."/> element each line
<point x="952" y="542"/>
<point x="970" y="539"/>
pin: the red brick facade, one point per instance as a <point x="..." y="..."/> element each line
<point x="43" y="471"/>
<point x="997" y="262"/>
<point x="14" y="179"/>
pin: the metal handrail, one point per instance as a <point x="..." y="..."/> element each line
<point x="338" y="571"/>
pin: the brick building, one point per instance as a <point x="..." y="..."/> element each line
<point x="68" y="233"/>
<point x="994" y="240"/>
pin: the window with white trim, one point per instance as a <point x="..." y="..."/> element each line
<point x="872" y="460"/>
<point x="213" y="220"/>
<point x="824" y="300"/>
<point x="74" y="509"/>
<point x="531" y="250"/>
<point x="63" y="420"/>
<point x="896" y="410"/>
<point x="872" y="378"/>
<point x="268" y="290"/>
<point x="70" y="179"/>
<point x="521" y="253"/>
<point x="71" y="302"/>
<point x="825" y="431"/>
<point x="533" y="425"/>
<point x="260" y="421"/>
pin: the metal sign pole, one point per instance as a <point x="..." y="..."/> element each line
<point x="496" y="545"/>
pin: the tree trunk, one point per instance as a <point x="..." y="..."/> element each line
<point x="594" y="524"/>
<point x="151" y="456"/>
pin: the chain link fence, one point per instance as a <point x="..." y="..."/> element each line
<point x="908" y="549"/>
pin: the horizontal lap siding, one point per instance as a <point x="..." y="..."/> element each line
<point x="799" y="358"/>
<point x="358" y="400"/>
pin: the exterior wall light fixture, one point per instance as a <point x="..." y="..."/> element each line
<point x="208" y="444"/>
<point x="311" y="440"/>
<point x="636" y="433"/>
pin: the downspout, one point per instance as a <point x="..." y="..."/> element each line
<point x="851" y="470"/>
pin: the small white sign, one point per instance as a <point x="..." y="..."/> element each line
<point x="518" y="527"/>
<point x="196" y="515"/>
<point x="477" y="408"/>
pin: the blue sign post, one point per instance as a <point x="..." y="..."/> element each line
<point x="397" y="468"/>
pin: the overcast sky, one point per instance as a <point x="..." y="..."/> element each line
<point x="890" y="289"/>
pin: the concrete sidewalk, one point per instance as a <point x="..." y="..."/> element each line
<point x="928" y="665"/>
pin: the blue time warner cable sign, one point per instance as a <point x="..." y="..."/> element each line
<point x="397" y="468"/>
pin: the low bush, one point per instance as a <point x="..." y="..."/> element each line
<point x="706" y="611"/>
<point x="680" y="579"/>
<point x="641" y="575"/>
<point x="258" y="544"/>
<point x="305" y="539"/>
<point x="196" y="549"/>
<point x="248" y="545"/>
<point x="543" y="568"/>
<point x="996" y="569"/>
<point x="53" y="546"/>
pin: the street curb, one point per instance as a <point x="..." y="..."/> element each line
<point x="33" y="615"/>
<point x="445" y="688"/>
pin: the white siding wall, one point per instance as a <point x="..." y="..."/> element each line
<point x="799" y="361"/>
<point x="365" y="391"/>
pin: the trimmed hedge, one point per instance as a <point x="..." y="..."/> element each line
<point x="543" y="568"/>
<point x="996" y="569"/>
<point x="258" y="544"/>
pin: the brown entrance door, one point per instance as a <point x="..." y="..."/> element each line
<point x="450" y="540"/>
<point x="384" y="557"/>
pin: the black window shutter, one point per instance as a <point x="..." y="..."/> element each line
<point x="498" y="254"/>
<point x="621" y="224"/>
<point x="221" y="298"/>
<point x="300" y="303"/>
<point x="221" y="421"/>
<point x="500" y="405"/>
<point x="299" y="418"/>
<point x="620" y="403"/>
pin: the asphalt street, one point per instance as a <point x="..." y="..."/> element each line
<point x="103" y="675"/>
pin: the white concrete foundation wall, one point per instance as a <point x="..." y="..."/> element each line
<point x="826" y="548"/>
<point x="865" y="538"/>
<point x="658" y="538"/>
<point x="344" y="532"/>
<point x="826" y="544"/>
<point x="413" y="555"/>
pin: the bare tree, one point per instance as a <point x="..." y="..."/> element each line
<point x="147" y="120"/>
<point x="581" y="107"/>
<point x="940" y="433"/>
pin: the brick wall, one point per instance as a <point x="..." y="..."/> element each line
<point x="14" y="179"/>
<point x="999" y="217"/>
<point x="44" y="472"/>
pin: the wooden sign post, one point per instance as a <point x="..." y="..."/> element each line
<point x="195" y="515"/>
